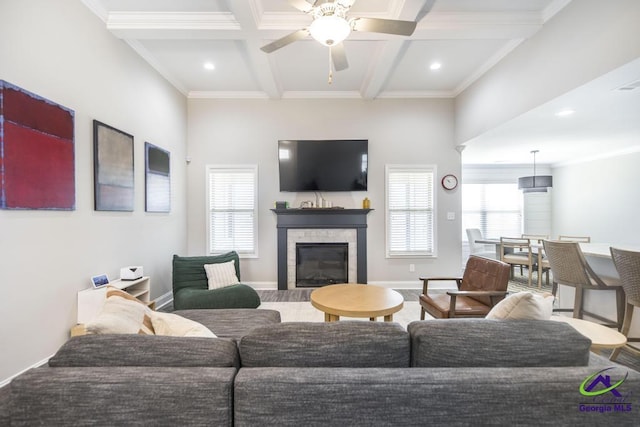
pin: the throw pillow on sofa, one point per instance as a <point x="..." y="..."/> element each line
<point x="222" y="274"/>
<point x="170" y="324"/>
<point x="121" y="315"/>
<point x="523" y="305"/>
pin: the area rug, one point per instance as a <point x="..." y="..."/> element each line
<point x="304" y="312"/>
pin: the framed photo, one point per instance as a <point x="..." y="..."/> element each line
<point x="112" y="168"/>
<point x="99" y="281"/>
<point x="157" y="179"/>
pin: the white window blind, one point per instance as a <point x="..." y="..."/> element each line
<point x="410" y="211"/>
<point x="496" y="209"/>
<point x="232" y="209"/>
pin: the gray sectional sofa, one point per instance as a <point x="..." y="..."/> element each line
<point x="453" y="372"/>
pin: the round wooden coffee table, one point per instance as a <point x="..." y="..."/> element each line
<point x="355" y="300"/>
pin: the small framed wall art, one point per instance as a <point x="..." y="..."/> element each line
<point x="112" y="168"/>
<point x="157" y="179"/>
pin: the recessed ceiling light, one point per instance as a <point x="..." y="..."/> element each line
<point x="209" y="66"/>
<point x="435" y="66"/>
<point x="565" y="112"/>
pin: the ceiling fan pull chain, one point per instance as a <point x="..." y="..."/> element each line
<point x="330" y="68"/>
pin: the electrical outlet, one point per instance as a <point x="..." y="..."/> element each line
<point x="412" y="268"/>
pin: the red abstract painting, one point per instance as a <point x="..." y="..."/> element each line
<point x="37" y="167"/>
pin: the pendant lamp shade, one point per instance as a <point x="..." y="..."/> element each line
<point x="535" y="184"/>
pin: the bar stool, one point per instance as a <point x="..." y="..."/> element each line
<point x="628" y="265"/>
<point x="570" y="268"/>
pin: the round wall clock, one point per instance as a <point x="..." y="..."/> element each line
<point x="449" y="182"/>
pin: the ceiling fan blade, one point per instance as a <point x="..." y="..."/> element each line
<point x="301" y="5"/>
<point x="339" y="57"/>
<point x="387" y="26"/>
<point x="346" y="3"/>
<point x="288" y="39"/>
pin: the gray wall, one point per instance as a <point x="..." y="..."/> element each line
<point x="60" y="50"/>
<point x="399" y="132"/>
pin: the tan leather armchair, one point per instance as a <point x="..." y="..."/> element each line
<point x="483" y="284"/>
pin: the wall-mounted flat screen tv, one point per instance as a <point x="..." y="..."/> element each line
<point x="323" y="165"/>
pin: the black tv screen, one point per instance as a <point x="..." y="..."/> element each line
<point x="323" y="165"/>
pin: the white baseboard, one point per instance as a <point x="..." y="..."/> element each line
<point x="407" y="284"/>
<point x="35" y="365"/>
<point x="163" y="300"/>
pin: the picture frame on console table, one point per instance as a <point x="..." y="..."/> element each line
<point x="112" y="168"/>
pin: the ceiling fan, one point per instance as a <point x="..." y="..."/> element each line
<point x="331" y="26"/>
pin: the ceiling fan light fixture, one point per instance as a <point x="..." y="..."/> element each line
<point x="330" y="30"/>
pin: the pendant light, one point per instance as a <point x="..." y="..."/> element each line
<point x="535" y="184"/>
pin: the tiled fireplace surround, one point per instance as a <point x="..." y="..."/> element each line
<point x="321" y="226"/>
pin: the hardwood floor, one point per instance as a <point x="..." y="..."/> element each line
<point x="296" y="295"/>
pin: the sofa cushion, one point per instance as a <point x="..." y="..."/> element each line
<point x="173" y="325"/>
<point x="493" y="343"/>
<point x="523" y="305"/>
<point x="145" y="350"/>
<point x="338" y="344"/>
<point x="221" y="274"/>
<point x="424" y="397"/>
<point x="231" y="323"/>
<point x="123" y="396"/>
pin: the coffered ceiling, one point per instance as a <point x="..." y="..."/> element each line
<point x="467" y="37"/>
<point x="178" y="36"/>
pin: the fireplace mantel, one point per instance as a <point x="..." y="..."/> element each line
<point x="322" y="218"/>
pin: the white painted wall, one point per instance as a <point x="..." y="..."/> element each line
<point x="61" y="51"/>
<point x="583" y="41"/>
<point x="600" y="198"/>
<point x="399" y="132"/>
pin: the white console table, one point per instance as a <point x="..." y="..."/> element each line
<point x="91" y="300"/>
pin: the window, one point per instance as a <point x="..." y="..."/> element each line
<point x="496" y="209"/>
<point x="410" y="219"/>
<point x="232" y="209"/>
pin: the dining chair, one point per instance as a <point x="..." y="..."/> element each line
<point x="543" y="267"/>
<point x="628" y="266"/>
<point x="570" y="268"/>
<point x="539" y="264"/>
<point x="478" y="249"/>
<point x="538" y="238"/>
<point x="579" y="239"/>
<point x="517" y="251"/>
<point x="483" y="284"/>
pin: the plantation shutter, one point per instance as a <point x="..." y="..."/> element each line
<point x="232" y="209"/>
<point x="496" y="209"/>
<point x="410" y="211"/>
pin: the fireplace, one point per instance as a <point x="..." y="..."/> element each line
<point x="320" y="264"/>
<point x="331" y="225"/>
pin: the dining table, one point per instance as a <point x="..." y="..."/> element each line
<point x="598" y="256"/>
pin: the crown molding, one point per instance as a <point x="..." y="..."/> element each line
<point x="172" y="21"/>
<point x="153" y="62"/>
<point x="195" y="94"/>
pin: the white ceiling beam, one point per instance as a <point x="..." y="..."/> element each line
<point x="259" y="62"/>
<point x="392" y="51"/>
<point x="381" y="66"/>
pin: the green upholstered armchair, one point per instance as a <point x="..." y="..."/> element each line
<point x="191" y="289"/>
